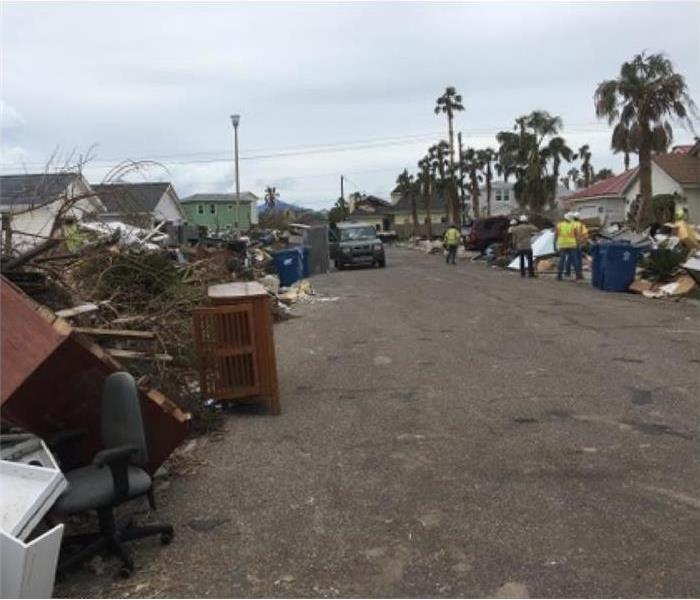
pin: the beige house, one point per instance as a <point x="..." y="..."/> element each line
<point x="610" y="200"/>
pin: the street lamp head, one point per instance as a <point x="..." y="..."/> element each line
<point x="235" y="119"/>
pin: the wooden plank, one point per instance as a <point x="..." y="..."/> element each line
<point x="134" y="355"/>
<point x="126" y="333"/>
<point x="83" y="309"/>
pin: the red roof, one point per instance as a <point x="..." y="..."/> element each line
<point x="612" y="186"/>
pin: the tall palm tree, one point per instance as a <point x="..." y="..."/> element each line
<point x="449" y="103"/>
<point x="645" y="95"/>
<point x="486" y="157"/>
<point x="584" y="153"/>
<point x="558" y="150"/>
<point x="406" y="187"/>
<point x="271" y="197"/>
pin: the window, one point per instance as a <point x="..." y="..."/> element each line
<point x="200" y="209"/>
<point x="230" y="206"/>
<point x="212" y="209"/>
<point x="506" y="196"/>
<point x="499" y="197"/>
<point x="443" y="219"/>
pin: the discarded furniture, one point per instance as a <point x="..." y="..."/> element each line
<point x="116" y="476"/>
<point x="31" y="482"/>
<point x="235" y="345"/>
<point x="40" y="350"/>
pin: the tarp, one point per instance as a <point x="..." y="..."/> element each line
<point x="542" y="245"/>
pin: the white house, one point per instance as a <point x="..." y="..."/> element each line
<point x="30" y="204"/>
<point x="140" y="204"/>
<point x="503" y="200"/>
<point x="611" y="199"/>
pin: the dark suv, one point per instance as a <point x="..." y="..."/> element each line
<point x="355" y="244"/>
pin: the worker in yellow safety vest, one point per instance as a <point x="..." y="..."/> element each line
<point x="566" y="244"/>
<point x="451" y="242"/>
<point x="581" y="242"/>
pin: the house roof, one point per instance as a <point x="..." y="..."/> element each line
<point x="130" y="198"/>
<point x="612" y="186"/>
<point x="246" y="197"/>
<point x="30" y="189"/>
<point x="684" y="168"/>
<point x="437" y="202"/>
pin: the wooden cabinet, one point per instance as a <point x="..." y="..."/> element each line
<point x="235" y="345"/>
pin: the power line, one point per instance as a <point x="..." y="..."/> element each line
<point x="307" y="150"/>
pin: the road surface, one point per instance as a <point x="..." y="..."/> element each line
<point x="449" y="431"/>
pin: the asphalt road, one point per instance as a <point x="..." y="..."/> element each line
<point x="449" y="431"/>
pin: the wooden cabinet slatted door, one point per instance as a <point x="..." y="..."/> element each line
<point x="235" y="345"/>
<point x="225" y="341"/>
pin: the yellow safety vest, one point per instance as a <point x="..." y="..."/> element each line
<point x="566" y="235"/>
<point x="452" y="237"/>
<point x="581" y="232"/>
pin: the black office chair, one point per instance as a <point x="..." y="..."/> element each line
<point x="114" y="477"/>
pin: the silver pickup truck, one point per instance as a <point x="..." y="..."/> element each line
<point x="355" y="244"/>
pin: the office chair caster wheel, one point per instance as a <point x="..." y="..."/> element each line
<point x="166" y="538"/>
<point x="126" y="570"/>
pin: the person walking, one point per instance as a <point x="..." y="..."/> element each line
<point x="521" y="236"/>
<point x="451" y="241"/>
<point x="565" y="243"/>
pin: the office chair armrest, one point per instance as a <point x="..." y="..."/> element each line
<point x="113" y="456"/>
<point x="117" y="459"/>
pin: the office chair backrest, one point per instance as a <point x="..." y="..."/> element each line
<point x="121" y="415"/>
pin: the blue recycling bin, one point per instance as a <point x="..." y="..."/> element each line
<point x="614" y="265"/>
<point x="289" y="264"/>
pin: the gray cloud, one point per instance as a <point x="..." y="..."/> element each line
<point x="155" y="79"/>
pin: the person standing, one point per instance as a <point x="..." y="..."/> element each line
<point x="565" y="243"/>
<point x="521" y="236"/>
<point x="451" y="242"/>
<point x="581" y="240"/>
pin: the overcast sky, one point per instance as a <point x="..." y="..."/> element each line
<point x="322" y="89"/>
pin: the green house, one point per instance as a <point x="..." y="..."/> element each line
<point x="217" y="212"/>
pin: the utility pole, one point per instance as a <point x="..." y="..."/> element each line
<point x="342" y="198"/>
<point x="235" y="119"/>
<point x="461" y="179"/>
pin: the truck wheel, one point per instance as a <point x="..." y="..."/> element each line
<point x="338" y="265"/>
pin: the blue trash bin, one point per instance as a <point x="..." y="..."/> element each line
<point x="290" y="265"/>
<point x="620" y="266"/>
<point x="614" y="265"/>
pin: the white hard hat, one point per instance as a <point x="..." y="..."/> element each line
<point x="569" y="216"/>
<point x="523" y="218"/>
<point x="576" y="214"/>
<point x="513" y="222"/>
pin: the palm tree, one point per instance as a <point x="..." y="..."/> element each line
<point x="472" y="165"/>
<point x="271" y="197"/>
<point x="406" y="187"/>
<point x="449" y="103"/>
<point x="574" y="176"/>
<point x="440" y="167"/>
<point x="424" y="179"/>
<point x="558" y="150"/>
<point x="603" y="174"/>
<point x="485" y="158"/>
<point x="584" y="153"/>
<point x="623" y="140"/>
<point x="644" y="96"/>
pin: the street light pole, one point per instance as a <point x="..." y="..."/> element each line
<point x="235" y="119"/>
